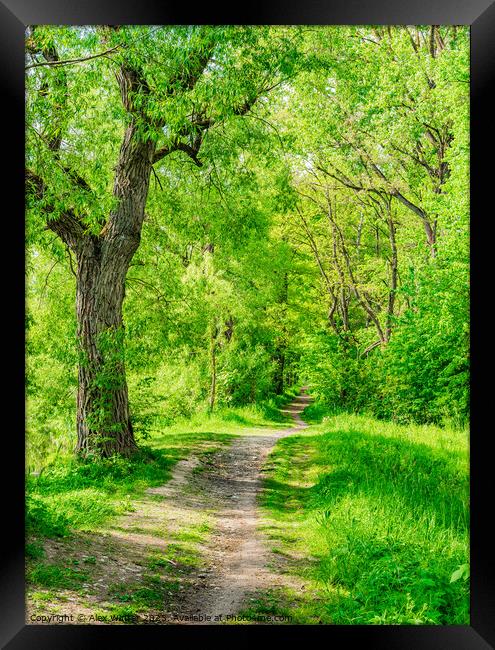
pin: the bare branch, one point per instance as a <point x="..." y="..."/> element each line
<point x="372" y="346"/>
<point x="72" y="61"/>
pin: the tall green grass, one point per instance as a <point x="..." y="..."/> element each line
<point x="376" y="517"/>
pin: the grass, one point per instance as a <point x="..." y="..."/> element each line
<point x="374" y="517"/>
<point x="370" y="516"/>
<point x="148" y="594"/>
<point x="57" y="577"/>
<point x="69" y="495"/>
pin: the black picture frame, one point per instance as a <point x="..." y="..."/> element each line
<point x="15" y="15"/>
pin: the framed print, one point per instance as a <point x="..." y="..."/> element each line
<point x="252" y="251"/>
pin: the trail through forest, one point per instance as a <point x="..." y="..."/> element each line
<point x="216" y="215"/>
<point x="236" y="555"/>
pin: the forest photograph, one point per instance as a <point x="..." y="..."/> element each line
<point x="247" y="324"/>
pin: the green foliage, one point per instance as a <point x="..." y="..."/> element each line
<point x="65" y="497"/>
<point x="246" y="375"/>
<point x="34" y="550"/>
<point x="44" y="519"/>
<point x="380" y="167"/>
<point x="265" y="256"/>
<point x="425" y="368"/>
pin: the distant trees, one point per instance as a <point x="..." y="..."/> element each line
<point x="381" y="157"/>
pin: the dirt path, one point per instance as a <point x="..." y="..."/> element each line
<point x="236" y="555"/>
<point x="191" y="548"/>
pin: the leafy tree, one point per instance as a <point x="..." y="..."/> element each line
<point x="175" y="86"/>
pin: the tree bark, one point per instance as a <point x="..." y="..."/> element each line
<point x="103" y="419"/>
<point x="104" y="424"/>
<point x="393" y="273"/>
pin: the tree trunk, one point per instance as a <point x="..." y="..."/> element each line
<point x="280" y="370"/>
<point x="281" y="346"/>
<point x="213" y="366"/>
<point x="393" y="275"/>
<point x="103" y="420"/>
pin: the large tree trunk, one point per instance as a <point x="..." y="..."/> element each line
<point x="103" y="420"/>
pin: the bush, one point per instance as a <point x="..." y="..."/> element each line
<point x="422" y="374"/>
<point x="424" y="371"/>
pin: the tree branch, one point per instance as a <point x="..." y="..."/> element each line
<point x="71" y="61"/>
<point x="67" y="226"/>
<point x="199" y="125"/>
